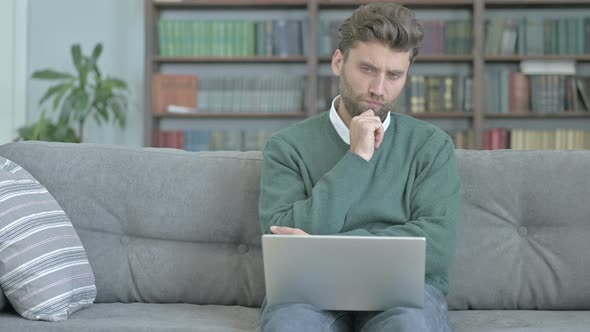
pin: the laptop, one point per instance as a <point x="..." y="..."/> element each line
<point x="347" y="273"/>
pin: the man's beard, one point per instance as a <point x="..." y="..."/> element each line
<point x="353" y="104"/>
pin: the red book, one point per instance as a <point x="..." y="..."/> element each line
<point x="487" y="139"/>
<point x="519" y="93"/>
<point x="156" y="138"/>
<point x="171" y="89"/>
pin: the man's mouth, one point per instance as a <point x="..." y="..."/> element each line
<point x="374" y="104"/>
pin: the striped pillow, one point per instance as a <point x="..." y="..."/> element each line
<point x="44" y="271"/>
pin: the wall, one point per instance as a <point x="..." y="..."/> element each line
<point x="57" y="24"/>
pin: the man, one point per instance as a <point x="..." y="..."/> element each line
<point x="361" y="170"/>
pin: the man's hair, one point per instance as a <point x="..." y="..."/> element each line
<point x="388" y="23"/>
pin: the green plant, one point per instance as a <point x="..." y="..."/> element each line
<point x="45" y="130"/>
<point x="77" y="97"/>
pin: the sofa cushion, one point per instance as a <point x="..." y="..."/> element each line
<point x="523" y="237"/>
<point x="519" y="321"/>
<point x="44" y="270"/>
<point x="130" y="317"/>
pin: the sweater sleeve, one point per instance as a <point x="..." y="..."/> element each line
<point x="284" y="200"/>
<point x="435" y="198"/>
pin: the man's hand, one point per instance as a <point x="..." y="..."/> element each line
<point x="366" y="134"/>
<point x="282" y="230"/>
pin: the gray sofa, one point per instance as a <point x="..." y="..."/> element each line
<point x="174" y="240"/>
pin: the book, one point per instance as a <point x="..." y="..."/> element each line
<point x="173" y="89"/>
<point x="546" y="67"/>
<point x="519" y="93"/>
<point x="180" y="109"/>
<point x="583" y="94"/>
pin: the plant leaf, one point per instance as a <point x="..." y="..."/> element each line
<point x="53" y="90"/>
<point x="97" y="73"/>
<point x="77" y="56"/>
<point x="84" y="71"/>
<point x="26" y="133"/>
<point x="117" y="83"/>
<point x="102" y="111"/>
<point x="60" y="95"/>
<point x="82" y="63"/>
<point x="97" y="51"/>
<point x="83" y="100"/>
<point x="61" y="132"/>
<point x="80" y="104"/>
<point x="118" y="111"/>
<point x="66" y="111"/>
<point x="103" y="92"/>
<point x="39" y="127"/>
<point x="49" y="74"/>
<point x="70" y="106"/>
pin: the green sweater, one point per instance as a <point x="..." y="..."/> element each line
<point x="410" y="187"/>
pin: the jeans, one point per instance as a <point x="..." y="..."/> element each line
<point x="298" y="317"/>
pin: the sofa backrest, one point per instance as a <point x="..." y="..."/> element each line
<point x="163" y="225"/>
<point x="525" y="230"/>
<point x="158" y="225"/>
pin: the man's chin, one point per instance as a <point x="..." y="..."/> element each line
<point x="382" y="113"/>
<point x="360" y="108"/>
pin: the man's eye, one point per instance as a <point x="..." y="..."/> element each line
<point x="394" y="76"/>
<point x="367" y="69"/>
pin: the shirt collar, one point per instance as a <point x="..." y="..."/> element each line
<point x="340" y="126"/>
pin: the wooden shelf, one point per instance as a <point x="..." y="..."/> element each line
<point x="425" y="58"/>
<point x="430" y="115"/>
<point x="537" y="115"/>
<point x="253" y="4"/>
<point x="228" y="115"/>
<point x="441" y="115"/>
<point x="444" y="58"/>
<point x="524" y="3"/>
<point x="230" y="59"/>
<point x="515" y="58"/>
<point x="407" y="3"/>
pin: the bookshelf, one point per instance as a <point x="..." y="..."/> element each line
<point x="296" y="115"/>
<point x="313" y="64"/>
<point x="548" y="24"/>
<point x="233" y="59"/>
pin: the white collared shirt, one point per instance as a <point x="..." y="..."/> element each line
<point x="341" y="127"/>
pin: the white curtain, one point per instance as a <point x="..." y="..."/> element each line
<point x="13" y="69"/>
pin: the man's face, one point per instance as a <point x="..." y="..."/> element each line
<point x="371" y="78"/>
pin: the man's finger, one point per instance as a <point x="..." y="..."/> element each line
<point x="282" y="230"/>
<point x="286" y="230"/>
<point x="379" y="133"/>
<point x="368" y="113"/>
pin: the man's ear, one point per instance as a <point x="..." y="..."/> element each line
<point x="337" y="62"/>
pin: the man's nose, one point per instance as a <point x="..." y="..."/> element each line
<point x="377" y="85"/>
